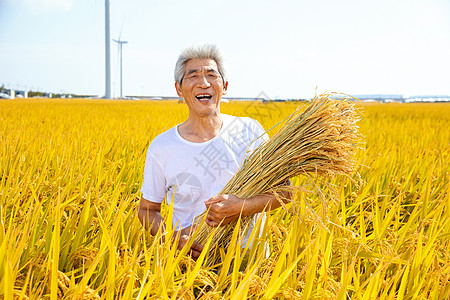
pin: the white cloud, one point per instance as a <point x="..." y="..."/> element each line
<point x="44" y="6"/>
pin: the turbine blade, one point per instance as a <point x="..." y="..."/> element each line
<point x="121" y="28"/>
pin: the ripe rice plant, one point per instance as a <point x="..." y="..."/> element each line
<point x="70" y="174"/>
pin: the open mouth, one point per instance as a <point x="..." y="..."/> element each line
<point x="203" y="97"/>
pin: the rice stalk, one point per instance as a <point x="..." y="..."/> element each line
<point x="319" y="140"/>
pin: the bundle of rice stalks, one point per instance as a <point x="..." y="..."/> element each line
<point x="319" y="140"/>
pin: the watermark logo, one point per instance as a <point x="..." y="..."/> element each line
<point x="188" y="188"/>
<point x="213" y="160"/>
<point x="239" y="134"/>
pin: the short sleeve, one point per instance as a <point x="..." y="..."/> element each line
<point x="154" y="184"/>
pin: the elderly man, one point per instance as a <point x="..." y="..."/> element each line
<point x="189" y="164"/>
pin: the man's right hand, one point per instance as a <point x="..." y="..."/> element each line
<point x="196" y="248"/>
<point x="149" y="214"/>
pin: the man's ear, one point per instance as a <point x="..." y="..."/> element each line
<point x="225" y="88"/>
<point x="178" y="88"/>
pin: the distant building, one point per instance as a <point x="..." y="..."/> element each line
<point x="21" y="94"/>
<point x="381" y="97"/>
<point x="4" y="96"/>
<point x="387" y="98"/>
<point x="7" y="93"/>
<point x="428" y="98"/>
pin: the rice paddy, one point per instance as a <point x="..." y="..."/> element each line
<point x="70" y="175"/>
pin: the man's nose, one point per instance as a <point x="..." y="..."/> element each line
<point x="203" y="82"/>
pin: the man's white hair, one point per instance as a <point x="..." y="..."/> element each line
<point x="199" y="51"/>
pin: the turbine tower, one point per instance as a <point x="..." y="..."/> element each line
<point x="120" y="43"/>
<point x="107" y="54"/>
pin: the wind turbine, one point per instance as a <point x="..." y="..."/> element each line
<point x="120" y="43"/>
<point x="107" y="54"/>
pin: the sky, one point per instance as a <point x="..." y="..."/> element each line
<point x="284" y="49"/>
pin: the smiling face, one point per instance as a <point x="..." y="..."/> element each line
<point x="202" y="87"/>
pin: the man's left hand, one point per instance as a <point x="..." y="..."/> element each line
<point x="223" y="209"/>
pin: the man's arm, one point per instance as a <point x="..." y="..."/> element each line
<point x="224" y="209"/>
<point x="149" y="213"/>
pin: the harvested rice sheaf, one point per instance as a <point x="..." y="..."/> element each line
<point x="320" y="139"/>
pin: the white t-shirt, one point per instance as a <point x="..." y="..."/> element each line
<point x="187" y="174"/>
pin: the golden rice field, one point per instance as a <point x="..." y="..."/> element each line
<point x="70" y="175"/>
